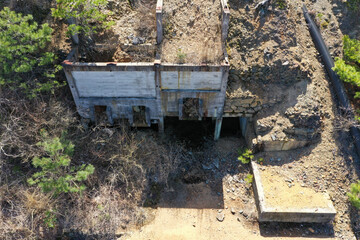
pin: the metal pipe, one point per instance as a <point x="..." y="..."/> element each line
<point x="338" y="86"/>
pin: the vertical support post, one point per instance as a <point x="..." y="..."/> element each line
<point x="225" y="20"/>
<point x="84" y="110"/>
<point x="161" y="125"/>
<point x="243" y="125"/>
<point x="109" y="115"/>
<point x="92" y="114"/>
<point x="160" y="113"/>
<point x="217" y="128"/>
<point x="159" y="24"/>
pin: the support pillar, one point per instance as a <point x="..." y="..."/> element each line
<point x="217" y="128"/>
<point x="109" y="115"/>
<point x="225" y="20"/>
<point x="243" y="125"/>
<point x="159" y="25"/>
<point x="161" y="125"/>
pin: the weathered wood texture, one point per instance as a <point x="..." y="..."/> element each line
<point x="158" y="87"/>
<point x="208" y="83"/>
<point x="225" y="20"/>
<point x="115" y="83"/>
<point x="159" y="23"/>
<point x="191" y="80"/>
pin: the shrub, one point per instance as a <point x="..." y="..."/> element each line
<point x="23" y="58"/>
<point x="348" y="68"/>
<point x="50" y="218"/>
<point x="351" y="50"/>
<point x="245" y="156"/>
<point x="181" y="56"/>
<point x="354" y="194"/>
<point x="348" y="73"/>
<point x="56" y="175"/>
<point x="88" y="14"/>
<point x="260" y="160"/>
<point x="249" y="178"/>
<point x="354" y="4"/>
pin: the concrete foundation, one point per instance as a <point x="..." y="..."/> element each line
<point x="268" y="213"/>
<point x="158" y="89"/>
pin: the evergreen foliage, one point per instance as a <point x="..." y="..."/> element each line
<point x="56" y="175"/>
<point x="89" y="15"/>
<point x="348" y="68"/>
<point x="351" y="50"/>
<point x="354" y="4"/>
<point x="245" y="156"/>
<point x="24" y="62"/>
<point x="354" y="194"/>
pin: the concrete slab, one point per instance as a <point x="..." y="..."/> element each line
<point x="277" y="201"/>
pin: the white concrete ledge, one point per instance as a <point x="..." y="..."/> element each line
<point x="294" y="214"/>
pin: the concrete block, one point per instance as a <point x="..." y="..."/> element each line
<point x="268" y="213"/>
<point x="159" y="23"/>
<point x="281" y="145"/>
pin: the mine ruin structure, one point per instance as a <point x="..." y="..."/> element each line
<point x="145" y="92"/>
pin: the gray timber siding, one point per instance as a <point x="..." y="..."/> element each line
<point x="160" y="88"/>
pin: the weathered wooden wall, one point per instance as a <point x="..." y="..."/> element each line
<point x="160" y="88"/>
<point x="208" y="83"/>
<point x="115" y="83"/>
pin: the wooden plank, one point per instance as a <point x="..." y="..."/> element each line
<point x="191" y="80"/>
<point x="115" y="84"/>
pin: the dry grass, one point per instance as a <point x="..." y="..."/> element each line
<point x="99" y="214"/>
<point x="126" y="163"/>
<point x="146" y="24"/>
<point x="346" y="120"/>
<point x="23" y="212"/>
<point x="22" y="120"/>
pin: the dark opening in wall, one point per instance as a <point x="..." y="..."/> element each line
<point x="100" y="115"/>
<point x="139" y="116"/>
<point x="191" y="109"/>
<point x="193" y="133"/>
<point x="230" y="127"/>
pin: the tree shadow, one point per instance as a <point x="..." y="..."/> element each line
<point x="260" y="25"/>
<point x="348" y="19"/>
<point x="198" y="181"/>
<point x="347" y="151"/>
<point x="289" y="230"/>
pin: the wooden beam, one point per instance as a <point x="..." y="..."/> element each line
<point x="217" y="128"/>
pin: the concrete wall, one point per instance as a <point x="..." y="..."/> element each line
<point x="115" y="83"/>
<point x="159" y="87"/>
<point x="208" y="83"/>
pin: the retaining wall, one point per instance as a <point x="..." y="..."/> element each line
<point x="163" y="89"/>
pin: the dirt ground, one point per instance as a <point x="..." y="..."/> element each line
<point x="282" y="191"/>
<point x="192" y="32"/>
<point x="203" y="194"/>
<point x="131" y="38"/>
<point x="274" y="58"/>
<point x="215" y="202"/>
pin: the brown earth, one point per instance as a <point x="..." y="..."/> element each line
<point x="273" y="58"/>
<point x="259" y="50"/>
<point x="283" y="192"/>
<point x="192" y="32"/>
<point x="131" y="38"/>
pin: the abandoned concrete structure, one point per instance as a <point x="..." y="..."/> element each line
<point x="146" y="92"/>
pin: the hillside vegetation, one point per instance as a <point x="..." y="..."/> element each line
<point x="62" y="179"/>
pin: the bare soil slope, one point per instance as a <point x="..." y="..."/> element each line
<point x="192" y="32"/>
<point x="274" y="59"/>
